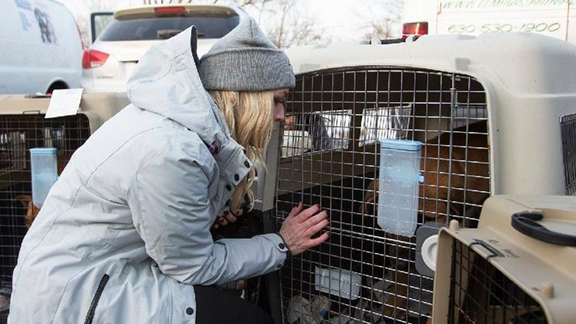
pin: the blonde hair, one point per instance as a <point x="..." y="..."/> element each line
<point x="250" y="118"/>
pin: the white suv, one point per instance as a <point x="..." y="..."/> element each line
<point x="109" y="62"/>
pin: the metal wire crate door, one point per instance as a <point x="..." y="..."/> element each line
<point x="19" y="133"/>
<point x="330" y="153"/>
<point x="568" y="129"/>
<point x="480" y="293"/>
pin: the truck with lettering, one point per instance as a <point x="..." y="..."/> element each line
<point x="555" y="18"/>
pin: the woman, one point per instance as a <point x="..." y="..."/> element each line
<point x="125" y="232"/>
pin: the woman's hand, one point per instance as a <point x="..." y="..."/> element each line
<point x="299" y="227"/>
<point x="228" y="217"/>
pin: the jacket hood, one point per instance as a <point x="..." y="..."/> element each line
<point x="166" y="82"/>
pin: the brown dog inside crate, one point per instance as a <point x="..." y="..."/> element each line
<point x="26" y="200"/>
<point x="440" y="194"/>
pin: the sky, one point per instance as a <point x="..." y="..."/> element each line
<point x="341" y="19"/>
<point x="335" y="20"/>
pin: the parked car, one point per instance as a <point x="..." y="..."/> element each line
<point x="41" y="47"/>
<point x="475" y="17"/>
<point x="110" y="60"/>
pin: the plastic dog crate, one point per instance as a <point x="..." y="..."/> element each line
<point x="494" y="115"/>
<point x="516" y="267"/>
<point x="22" y="127"/>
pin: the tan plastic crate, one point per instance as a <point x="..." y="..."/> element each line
<point x="505" y="273"/>
<point x="23" y="126"/>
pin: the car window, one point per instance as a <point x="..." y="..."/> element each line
<point x="209" y="26"/>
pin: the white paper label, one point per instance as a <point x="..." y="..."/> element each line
<point x="64" y="103"/>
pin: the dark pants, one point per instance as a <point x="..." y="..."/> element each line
<point x="218" y="307"/>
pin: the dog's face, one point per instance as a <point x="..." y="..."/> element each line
<point x="26" y="200"/>
<point x="464" y="166"/>
<point x="370" y="205"/>
<point x="31" y="210"/>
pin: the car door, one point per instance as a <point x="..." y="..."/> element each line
<point x="571" y="23"/>
<point x="98" y="22"/>
<point x="19" y="39"/>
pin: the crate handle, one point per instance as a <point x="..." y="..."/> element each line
<point x="526" y="223"/>
<point x="31" y="112"/>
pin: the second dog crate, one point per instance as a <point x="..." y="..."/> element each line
<point x="516" y="267"/>
<point x="494" y="115"/>
<point x="22" y="127"/>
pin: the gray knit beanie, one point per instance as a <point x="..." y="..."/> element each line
<point x="245" y="60"/>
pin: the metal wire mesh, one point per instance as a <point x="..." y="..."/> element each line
<point x="568" y="129"/>
<point x="480" y="293"/>
<point x="19" y="133"/>
<point x="330" y="156"/>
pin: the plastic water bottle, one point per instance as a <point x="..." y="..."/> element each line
<point x="399" y="183"/>
<point x="44" y="173"/>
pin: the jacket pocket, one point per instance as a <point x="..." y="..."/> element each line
<point x="94" y="303"/>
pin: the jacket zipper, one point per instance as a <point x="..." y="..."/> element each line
<point x="92" y="309"/>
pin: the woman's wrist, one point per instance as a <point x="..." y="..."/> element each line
<point x="288" y="252"/>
